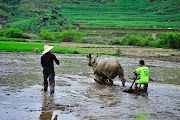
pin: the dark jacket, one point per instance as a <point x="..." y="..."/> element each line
<point x="47" y="62"/>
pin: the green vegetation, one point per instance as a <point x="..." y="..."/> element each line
<point x="54" y="15"/>
<point x="70" y="36"/>
<point x="64" y="36"/>
<point x="25" y="47"/>
<point x="151" y="24"/>
<point x="163" y="40"/>
<point x="5" y="12"/>
<point x="12" y="39"/>
<point x="11" y="33"/>
<point x="51" y="22"/>
<point x="87" y="2"/>
<point x="136" y="13"/>
<point x="169" y="40"/>
<point x="46" y="35"/>
<point x="114" y="22"/>
<point x="143" y="116"/>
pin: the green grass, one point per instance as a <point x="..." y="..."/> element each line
<point x="133" y="24"/>
<point x="12" y="39"/>
<point x="29" y="47"/>
<point x="19" y="46"/>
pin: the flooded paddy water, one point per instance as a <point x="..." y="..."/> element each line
<point x="78" y="97"/>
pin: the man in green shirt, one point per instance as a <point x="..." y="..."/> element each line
<point x="144" y="75"/>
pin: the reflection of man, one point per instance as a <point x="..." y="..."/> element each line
<point x="47" y="62"/>
<point x="45" y="116"/>
<point x="47" y="108"/>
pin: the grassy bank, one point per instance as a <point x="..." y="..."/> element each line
<point x="65" y="49"/>
<point x="12" y="39"/>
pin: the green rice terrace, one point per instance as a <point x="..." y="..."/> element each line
<point x="158" y="15"/>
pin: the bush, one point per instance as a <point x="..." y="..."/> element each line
<point x="11" y="33"/>
<point x="70" y="36"/>
<point x="164" y="40"/>
<point x="64" y="36"/>
<point x="169" y="40"/>
<point x="137" y="40"/>
<point x="114" y="41"/>
<point x="46" y="35"/>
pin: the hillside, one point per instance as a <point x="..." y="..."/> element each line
<point x="126" y="13"/>
<point x="56" y="15"/>
<point x="5" y="12"/>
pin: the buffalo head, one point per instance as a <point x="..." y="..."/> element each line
<point x="92" y="59"/>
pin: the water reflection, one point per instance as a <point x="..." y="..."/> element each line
<point x="48" y="106"/>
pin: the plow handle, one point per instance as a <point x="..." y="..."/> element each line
<point x="134" y="80"/>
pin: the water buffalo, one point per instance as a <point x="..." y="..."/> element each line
<point x="106" y="69"/>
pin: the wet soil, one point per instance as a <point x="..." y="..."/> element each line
<point x="78" y="97"/>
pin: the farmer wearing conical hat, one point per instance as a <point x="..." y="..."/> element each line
<point x="47" y="62"/>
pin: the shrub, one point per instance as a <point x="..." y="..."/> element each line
<point x="169" y="40"/>
<point x="164" y="40"/>
<point x="114" y="41"/>
<point x="76" y="52"/>
<point x="137" y="40"/>
<point x="70" y="36"/>
<point x="11" y="33"/>
<point x="64" y="36"/>
<point x="46" y="35"/>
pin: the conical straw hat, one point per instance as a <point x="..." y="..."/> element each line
<point x="47" y="48"/>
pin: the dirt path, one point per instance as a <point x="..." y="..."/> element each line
<point x="78" y="97"/>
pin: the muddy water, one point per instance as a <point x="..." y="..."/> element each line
<point x="78" y="97"/>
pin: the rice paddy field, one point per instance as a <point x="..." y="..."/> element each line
<point x="80" y="48"/>
<point x="120" y="14"/>
<point x="122" y="17"/>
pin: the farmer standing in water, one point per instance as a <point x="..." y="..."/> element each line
<point x="144" y="75"/>
<point x="47" y="62"/>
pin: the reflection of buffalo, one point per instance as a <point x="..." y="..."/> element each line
<point x="105" y="70"/>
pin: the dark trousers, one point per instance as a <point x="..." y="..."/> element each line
<point x="51" y="77"/>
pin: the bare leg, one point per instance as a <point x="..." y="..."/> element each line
<point x="145" y="87"/>
<point x="52" y="83"/>
<point x="45" y="82"/>
<point x="136" y="86"/>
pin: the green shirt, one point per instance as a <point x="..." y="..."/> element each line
<point x="144" y="73"/>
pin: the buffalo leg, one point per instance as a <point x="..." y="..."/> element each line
<point x="122" y="80"/>
<point x="99" y="80"/>
<point x="121" y="76"/>
<point x="109" y="82"/>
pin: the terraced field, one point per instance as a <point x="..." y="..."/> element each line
<point x="122" y="17"/>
